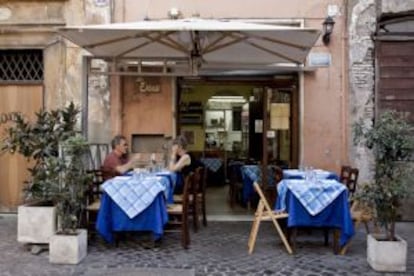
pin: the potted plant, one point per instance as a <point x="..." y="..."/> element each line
<point x="38" y="141"/>
<point x="69" y="244"/>
<point x="390" y="140"/>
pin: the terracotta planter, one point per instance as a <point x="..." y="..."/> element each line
<point x="68" y="249"/>
<point x="35" y="223"/>
<point x="390" y="256"/>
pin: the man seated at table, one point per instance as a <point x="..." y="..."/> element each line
<point x="117" y="162"/>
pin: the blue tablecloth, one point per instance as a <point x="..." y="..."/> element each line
<point x="336" y="215"/>
<point x="173" y="177"/>
<point x="135" y="193"/>
<point x="314" y="195"/>
<point x="213" y="164"/>
<point x="111" y="218"/>
<point x="250" y="174"/>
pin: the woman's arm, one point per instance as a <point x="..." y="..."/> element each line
<point x="177" y="165"/>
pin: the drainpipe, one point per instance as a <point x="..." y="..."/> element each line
<point x="345" y="147"/>
<point x="265" y="127"/>
<point x="85" y="93"/>
<point x="301" y="108"/>
<point x="378" y="12"/>
<point x="111" y="11"/>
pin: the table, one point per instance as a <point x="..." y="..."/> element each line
<point x="213" y="164"/>
<point x="112" y="218"/>
<point x="216" y="170"/>
<point x="252" y="173"/>
<point x="300" y="174"/>
<point x="336" y="214"/>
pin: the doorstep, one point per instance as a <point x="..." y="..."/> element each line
<point x="229" y="217"/>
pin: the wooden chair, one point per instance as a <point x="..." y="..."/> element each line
<point x="178" y="212"/>
<point x="197" y="198"/>
<point x="107" y="174"/>
<point x="271" y="190"/>
<point x="201" y="194"/>
<point x="265" y="213"/>
<point x="194" y="198"/>
<point x="235" y="182"/>
<point x="93" y="199"/>
<point x="349" y="177"/>
<point x="97" y="154"/>
<point x="361" y="214"/>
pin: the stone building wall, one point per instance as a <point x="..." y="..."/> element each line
<point x="362" y="16"/>
<point x="394" y="6"/>
<point x="99" y="126"/>
<point x="362" y="22"/>
<point x="98" y="115"/>
<point x="32" y="25"/>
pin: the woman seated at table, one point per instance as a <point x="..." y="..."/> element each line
<point x="181" y="161"/>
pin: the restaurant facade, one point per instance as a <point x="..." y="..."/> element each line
<point x="309" y="109"/>
<point x="220" y="111"/>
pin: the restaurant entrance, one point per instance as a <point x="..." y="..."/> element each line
<point x="223" y="121"/>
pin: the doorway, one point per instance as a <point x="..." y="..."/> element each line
<point x="222" y="120"/>
<point x="25" y="99"/>
<point x="21" y="91"/>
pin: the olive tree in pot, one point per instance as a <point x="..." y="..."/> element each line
<point x="38" y="141"/>
<point x="69" y="244"/>
<point x="390" y="140"/>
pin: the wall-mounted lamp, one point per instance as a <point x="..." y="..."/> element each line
<point x="328" y="25"/>
<point x="174" y="13"/>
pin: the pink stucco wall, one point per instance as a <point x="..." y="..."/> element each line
<point x="134" y="10"/>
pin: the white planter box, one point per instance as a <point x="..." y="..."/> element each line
<point x="35" y="224"/>
<point x="68" y="249"/>
<point x="387" y="255"/>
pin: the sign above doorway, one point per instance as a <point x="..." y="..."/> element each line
<point x="148" y="85"/>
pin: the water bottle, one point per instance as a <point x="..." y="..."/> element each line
<point x="307" y="176"/>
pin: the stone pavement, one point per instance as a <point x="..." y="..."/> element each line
<point x="219" y="249"/>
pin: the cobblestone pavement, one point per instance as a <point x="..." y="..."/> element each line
<point x="219" y="249"/>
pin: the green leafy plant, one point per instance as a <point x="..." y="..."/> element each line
<point x="38" y="141"/>
<point x="59" y="154"/>
<point x="74" y="179"/>
<point x="390" y="139"/>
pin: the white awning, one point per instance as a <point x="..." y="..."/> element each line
<point x="195" y="42"/>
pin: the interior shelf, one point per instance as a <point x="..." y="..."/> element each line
<point x="191" y="113"/>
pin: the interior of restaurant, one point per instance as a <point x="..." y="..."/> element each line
<point x="222" y="121"/>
